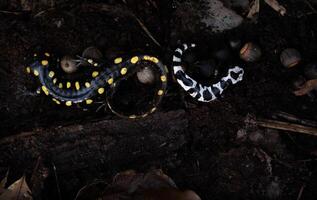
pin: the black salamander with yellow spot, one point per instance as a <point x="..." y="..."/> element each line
<point x="68" y="93"/>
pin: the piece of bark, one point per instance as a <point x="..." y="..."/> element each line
<point x="103" y="141"/>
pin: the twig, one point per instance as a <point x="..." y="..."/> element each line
<point x="12" y="12"/>
<point x="124" y="10"/>
<point x="57" y="183"/>
<point x="146" y="30"/>
<point x="285" y="126"/>
<point x="310" y="6"/>
<point x="299" y="196"/>
<point x="293" y="118"/>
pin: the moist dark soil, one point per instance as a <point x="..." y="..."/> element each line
<point x="198" y="145"/>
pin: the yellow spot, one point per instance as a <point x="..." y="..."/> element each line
<point x="160" y="92"/>
<point x="89" y="101"/>
<point x="90" y="61"/>
<point x="123" y="71"/>
<point x="152" y="59"/>
<point x="101" y="90"/>
<point x="38" y="91"/>
<point x="51" y="74"/>
<point x="87" y="84"/>
<point x="54" y="80"/>
<point x="132" y="116"/>
<point x="68" y="84"/>
<point x="95" y="74"/>
<point x="56" y="101"/>
<point x="155" y="60"/>
<point x="134" y="60"/>
<point x="110" y="81"/>
<point x="28" y="70"/>
<point x="45" y="90"/>
<point x="44" y="62"/>
<point x="36" y="73"/>
<point x="60" y="85"/>
<point x="153" y="109"/>
<point x="77" y="85"/>
<point x="95" y="64"/>
<point x="117" y="60"/>
<point x="35" y="55"/>
<point x="47" y="54"/>
<point x="68" y="103"/>
<point x="163" y="78"/>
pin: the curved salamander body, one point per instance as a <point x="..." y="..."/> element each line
<point x="44" y="68"/>
<point x="203" y="93"/>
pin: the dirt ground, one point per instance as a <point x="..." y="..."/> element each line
<point x="204" y="147"/>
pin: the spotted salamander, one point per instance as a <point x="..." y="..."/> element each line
<point x="203" y="93"/>
<point x="44" y="67"/>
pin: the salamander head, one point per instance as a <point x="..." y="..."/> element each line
<point x="37" y="63"/>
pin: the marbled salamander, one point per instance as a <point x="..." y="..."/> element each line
<point x="203" y="93"/>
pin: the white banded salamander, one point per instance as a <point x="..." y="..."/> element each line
<point x="68" y="93"/>
<point x="203" y="93"/>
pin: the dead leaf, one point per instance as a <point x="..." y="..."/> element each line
<point x="306" y="87"/>
<point x="4" y="180"/>
<point x="19" y="190"/>
<point x="276" y="6"/>
<point x="254" y="10"/>
<point x="26" y="5"/>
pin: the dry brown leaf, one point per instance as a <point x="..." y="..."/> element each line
<point x="276" y="6"/>
<point x="254" y="10"/>
<point x="4" y="180"/>
<point x="306" y="87"/>
<point x="19" y="190"/>
<point x="26" y="5"/>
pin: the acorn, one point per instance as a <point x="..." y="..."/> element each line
<point x="92" y="52"/>
<point x="290" y="57"/>
<point x="310" y="71"/>
<point x="68" y="64"/>
<point x="146" y="75"/>
<point x="250" y="52"/>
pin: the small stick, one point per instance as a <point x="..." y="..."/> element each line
<point x="310" y="6"/>
<point x="12" y="12"/>
<point x="124" y="10"/>
<point x="146" y="30"/>
<point x="285" y="126"/>
<point x="293" y="118"/>
<point x="301" y="192"/>
<point x="57" y="183"/>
